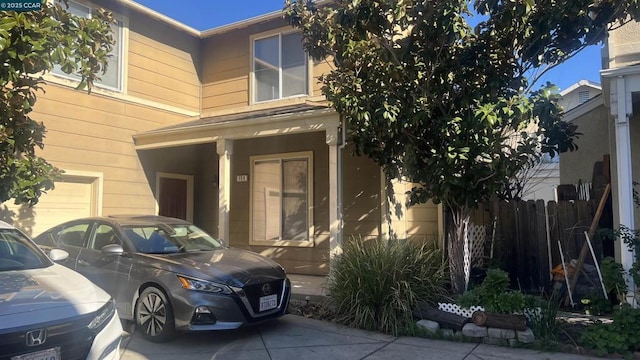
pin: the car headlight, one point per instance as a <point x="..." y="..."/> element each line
<point x="203" y="285"/>
<point x="102" y="316"/>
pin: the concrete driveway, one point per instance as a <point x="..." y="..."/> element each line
<point x="295" y="337"/>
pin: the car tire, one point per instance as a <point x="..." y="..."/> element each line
<point x="154" y="315"/>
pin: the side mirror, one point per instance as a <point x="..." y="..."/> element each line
<point x="58" y="254"/>
<point x="112" y="250"/>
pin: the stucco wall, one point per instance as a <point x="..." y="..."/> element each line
<point x="592" y="145"/>
<point x="624" y="45"/>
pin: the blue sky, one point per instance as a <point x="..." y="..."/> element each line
<point x="207" y="14"/>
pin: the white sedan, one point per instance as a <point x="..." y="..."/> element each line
<point x="48" y="311"/>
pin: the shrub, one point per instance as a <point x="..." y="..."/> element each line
<point x="375" y="284"/>
<point x="495" y="296"/>
<point x="620" y="336"/>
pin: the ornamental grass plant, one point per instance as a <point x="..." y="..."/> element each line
<point x="375" y="284"/>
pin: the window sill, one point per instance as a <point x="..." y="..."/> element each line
<point x="73" y="83"/>
<point x="283" y="243"/>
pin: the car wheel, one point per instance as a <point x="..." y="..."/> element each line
<point x="154" y="316"/>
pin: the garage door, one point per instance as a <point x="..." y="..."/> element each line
<point x="72" y="198"/>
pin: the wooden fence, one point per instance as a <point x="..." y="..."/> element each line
<point x="527" y="233"/>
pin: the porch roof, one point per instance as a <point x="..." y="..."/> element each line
<point x="302" y="117"/>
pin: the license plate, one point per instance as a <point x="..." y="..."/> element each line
<point x="268" y="302"/>
<point x="49" y="354"/>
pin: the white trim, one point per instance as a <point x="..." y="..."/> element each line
<point x="310" y="242"/>
<point x="588" y="83"/>
<point x="583" y="108"/>
<point x="188" y="178"/>
<point x="622" y="71"/>
<point x="224" y="149"/>
<point x="54" y="80"/>
<point x="623" y="83"/>
<point x="335" y="241"/>
<point x="279" y="32"/>
<point x="97" y="186"/>
<point x="241" y="24"/>
<point x="121" y="39"/>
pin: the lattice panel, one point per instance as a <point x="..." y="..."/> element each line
<point x="475" y="237"/>
<point x="456" y="309"/>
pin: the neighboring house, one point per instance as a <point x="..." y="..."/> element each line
<point x="584" y="106"/>
<point x="579" y="93"/>
<point x="610" y="125"/>
<point x="226" y="128"/>
<point x="541" y="182"/>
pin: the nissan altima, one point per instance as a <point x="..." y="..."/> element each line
<point x="166" y="274"/>
<point x="48" y="311"/>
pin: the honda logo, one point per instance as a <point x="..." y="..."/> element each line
<point x="36" y="337"/>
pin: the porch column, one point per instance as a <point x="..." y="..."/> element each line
<point x="335" y="228"/>
<point x="621" y="109"/>
<point x="225" y="150"/>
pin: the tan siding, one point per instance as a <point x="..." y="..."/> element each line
<point x="419" y="222"/>
<point x="227" y="86"/>
<point x="308" y="260"/>
<point x="237" y="99"/>
<point x="319" y="68"/>
<point x="361" y="196"/>
<point x="164" y="95"/>
<point x="227" y="68"/>
<point x="81" y="156"/>
<point x="226" y="71"/>
<point x="93" y="133"/>
<point x="163" y="64"/>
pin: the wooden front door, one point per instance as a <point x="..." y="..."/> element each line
<point x="174" y="196"/>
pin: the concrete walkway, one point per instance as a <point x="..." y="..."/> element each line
<point x="295" y="337"/>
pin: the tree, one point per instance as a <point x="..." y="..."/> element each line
<point x="446" y="105"/>
<point x="31" y="43"/>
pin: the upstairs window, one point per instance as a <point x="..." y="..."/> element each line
<point x="280" y="67"/>
<point x="112" y="79"/>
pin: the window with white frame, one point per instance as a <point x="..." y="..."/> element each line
<point x="281" y="198"/>
<point x="280" y="68"/>
<point x="112" y="78"/>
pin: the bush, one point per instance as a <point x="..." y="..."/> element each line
<point x="620" y="336"/>
<point x="494" y="295"/>
<point x="375" y="284"/>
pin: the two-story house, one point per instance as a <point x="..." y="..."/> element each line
<point x="226" y="128"/>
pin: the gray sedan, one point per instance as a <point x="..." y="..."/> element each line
<point x="167" y="274"/>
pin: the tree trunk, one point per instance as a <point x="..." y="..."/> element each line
<point x="460" y="220"/>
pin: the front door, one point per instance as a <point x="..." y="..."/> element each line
<point x="175" y="196"/>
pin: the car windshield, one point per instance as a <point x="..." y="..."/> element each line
<point x="168" y="239"/>
<point x="17" y="252"/>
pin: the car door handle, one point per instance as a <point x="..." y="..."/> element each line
<point x="83" y="262"/>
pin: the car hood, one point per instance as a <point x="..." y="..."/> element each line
<point x="232" y="267"/>
<point x="41" y="295"/>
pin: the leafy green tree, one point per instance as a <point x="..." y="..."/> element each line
<point x="446" y="105"/>
<point x="31" y="43"/>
